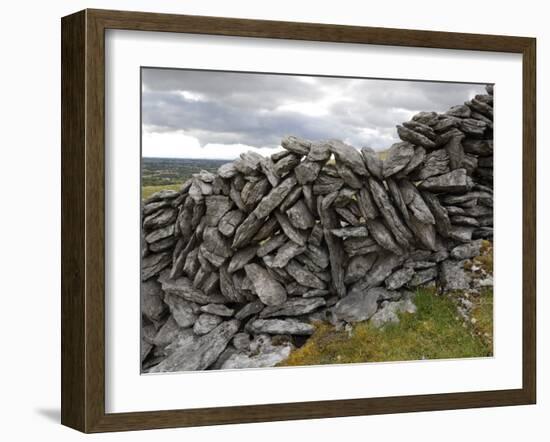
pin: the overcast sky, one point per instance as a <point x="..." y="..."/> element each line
<point x="204" y="114"/>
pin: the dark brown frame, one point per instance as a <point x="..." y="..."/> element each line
<point x="83" y="215"/>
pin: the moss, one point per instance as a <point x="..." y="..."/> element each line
<point x="434" y="332"/>
<point x="482" y="316"/>
<point x="147" y="191"/>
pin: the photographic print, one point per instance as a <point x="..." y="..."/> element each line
<point x="294" y="220"/>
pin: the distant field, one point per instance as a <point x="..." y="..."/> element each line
<point x="170" y="173"/>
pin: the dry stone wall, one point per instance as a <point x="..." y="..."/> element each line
<point x="237" y="265"/>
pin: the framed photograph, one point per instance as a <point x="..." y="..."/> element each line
<point x="266" y="221"/>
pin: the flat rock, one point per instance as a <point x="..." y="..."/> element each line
<point x="270" y="291"/>
<point x="356" y="306"/>
<point x="217" y="309"/>
<point x="319" y="151"/>
<point x="280" y="327"/>
<point x="358" y="267"/>
<point x="160" y="219"/>
<point x="455" y="151"/>
<point x="435" y="163"/>
<point x="383" y="237"/>
<point x="205" y="323"/>
<point x="303" y="276"/>
<point x="266" y="358"/>
<point x="296" y="145"/>
<point x="283" y="166"/>
<point x="300" y="216"/>
<point x="296" y="235"/>
<point x="250" y="309"/>
<point x="351" y="232"/>
<point x="423" y="276"/>
<point x="456" y="181"/>
<point x="158" y="234"/>
<point x="373" y="162"/>
<point x="271" y="244"/>
<point x="184" y="312"/>
<point x="153" y="264"/>
<point x="466" y="251"/>
<point x="307" y="171"/>
<point x="453" y="276"/>
<point x="398" y="156"/>
<point x="274" y="198"/>
<point x="382" y="268"/>
<point x="241" y="258"/>
<point x="349" y="156"/>
<point x="399" y="278"/>
<point x="414" y="137"/>
<point x="389" y="314"/>
<point x="294" y="307"/>
<point x="286" y="252"/>
<point x="246" y="230"/>
<point x="198" y="353"/>
<point x="184" y="287"/>
<point x="152" y="306"/>
<point x="216" y="243"/>
<point x="230" y="221"/>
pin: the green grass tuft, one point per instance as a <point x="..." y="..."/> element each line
<point x="435" y="332"/>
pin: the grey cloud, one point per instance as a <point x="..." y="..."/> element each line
<point x="246" y="108"/>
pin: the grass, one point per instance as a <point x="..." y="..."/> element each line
<point x="435" y="332"/>
<point x="147" y="191"/>
<point x="482" y="315"/>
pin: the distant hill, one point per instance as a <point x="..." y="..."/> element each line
<point x="169" y="171"/>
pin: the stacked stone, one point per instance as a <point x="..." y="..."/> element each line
<point x="237" y="265"/>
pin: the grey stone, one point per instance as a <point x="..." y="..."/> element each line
<point x="280" y="327"/>
<point x="453" y="276"/>
<point x="283" y="166"/>
<point x="423" y="276"/>
<point x="183" y="287"/>
<point x="268" y="168"/>
<point x="250" y="309"/>
<point x="398" y="157"/>
<point x="300" y="216"/>
<point x="466" y="251"/>
<point x="162" y="245"/>
<point x="216" y="243"/>
<point x="242" y="257"/>
<point x="158" y="234"/>
<point x="348" y="176"/>
<point x="304" y="276"/>
<point x="421" y="128"/>
<point x="373" y="162"/>
<point x="270" y="245"/>
<point x="461" y="111"/>
<point x="205" y="323"/>
<point x="416" y="160"/>
<point x="161" y="195"/>
<point x="436" y="163"/>
<point x="307" y="171"/>
<point x="399" y="278"/>
<point x="366" y="204"/>
<point x="383" y="236"/>
<point x="266" y="230"/>
<point x="267" y="358"/>
<point x="160" y="219"/>
<point x="227" y="170"/>
<point x="361" y="246"/>
<point x="152" y="306"/>
<point x="358" y="266"/>
<point x="294" y="307"/>
<point x="319" y="152"/>
<point x="274" y="198"/>
<point x="455" y="151"/>
<point x="389" y="314"/>
<point x="217" y="309"/>
<point x="348" y="156"/>
<point x="296" y="235"/>
<point x="230" y="221"/>
<point x="382" y="268"/>
<point x="356" y="306"/>
<point x="227" y="287"/>
<point x="456" y="181"/>
<point x="184" y="312"/>
<point x="198" y="353"/>
<point x="266" y="287"/>
<point x="241" y="341"/>
<point x="286" y="252"/>
<point x="414" y="137"/>
<point x="351" y="232"/>
<point x="401" y="233"/>
<point x="153" y="264"/>
<point x="246" y="230"/>
<point x="296" y="145"/>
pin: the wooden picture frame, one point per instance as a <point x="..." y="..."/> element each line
<point x="83" y="217"/>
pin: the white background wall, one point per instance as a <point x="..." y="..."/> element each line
<point x="30" y="217"/>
